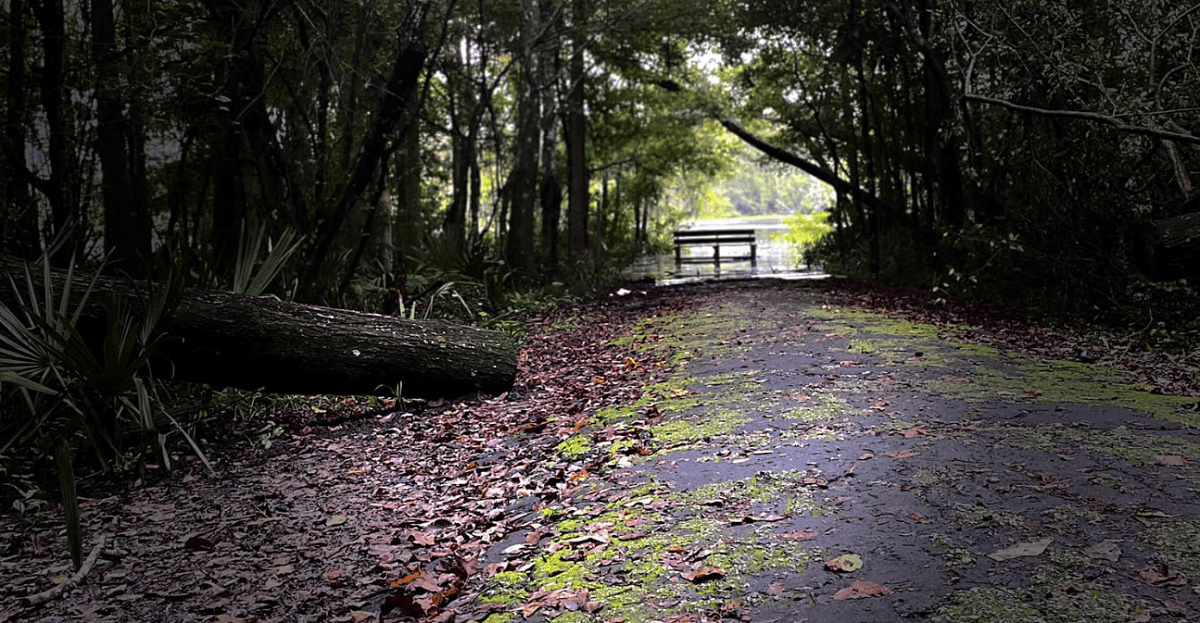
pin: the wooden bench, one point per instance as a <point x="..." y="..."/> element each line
<point x="716" y="238"/>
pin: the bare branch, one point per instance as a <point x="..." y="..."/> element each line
<point x="1116" y="124"/>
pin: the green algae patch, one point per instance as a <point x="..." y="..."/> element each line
<point x="711" y="329"/>
<point x="609" y="415"/>
<point x="699" y="427"/>
<point x="1177" y="543"/>
<point x="1045" y="600"/>
<point x="763" y="556"/>
<point x="1069" y="512"/>
<point x="574" y="447"/>
<point x="984" y="374"/>
<point x="979" y="517"/>
<point x="508" y="588"/>
<point x="879" y="335"/>
<point x="819" y="407"/>
<point x="554" y="571"/>
<point x="1144" y="449"/>
<point x="955" y="557"/>
<point x="997" y="605"/>
<point x="1061" y="382"/>
<point x="788" y="492"/>
<point x="681" y="394"/>
<point x="630" y="553"/>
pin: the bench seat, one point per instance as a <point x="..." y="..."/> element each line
<point x="715" y="238"/>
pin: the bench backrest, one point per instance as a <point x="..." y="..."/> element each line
<point x="714" y="236"/>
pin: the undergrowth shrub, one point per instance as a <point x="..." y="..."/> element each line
<point x="78" y="392"/>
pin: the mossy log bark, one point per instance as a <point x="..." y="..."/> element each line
<point x="249" y="342"/>
<point x="1170" y="248"/>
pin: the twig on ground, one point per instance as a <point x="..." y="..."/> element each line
<point x="53" y="593"/>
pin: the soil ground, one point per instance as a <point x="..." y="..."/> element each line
<point x="757" y="452"/>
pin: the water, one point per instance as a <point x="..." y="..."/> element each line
<point x="775" y="258"/>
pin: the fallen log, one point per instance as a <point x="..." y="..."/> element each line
<point x="247" y="342"/>
<point x="1169" y="248"/>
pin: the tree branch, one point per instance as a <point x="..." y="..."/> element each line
<point x="57" y="590"/>
<point x="813" y="169"/>
<point x="782" y="155"/>
<point x="1116" y="124"/>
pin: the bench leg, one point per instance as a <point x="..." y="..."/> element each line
<point x="717" y="258"/>
<point x="678" y="258"/>
<point x="753" y="256"/>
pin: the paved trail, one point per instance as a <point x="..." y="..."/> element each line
<point x="808" y="462"/>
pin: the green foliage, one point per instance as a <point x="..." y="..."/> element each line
<point x="805" y="231"/>
<point x="252" y="275"/>
<point x="61" y="390"/>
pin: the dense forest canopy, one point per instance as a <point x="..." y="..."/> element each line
<point x="1028" y="152"/>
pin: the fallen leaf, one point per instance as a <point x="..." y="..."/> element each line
<point x="1162" y="576"/>
<point x="902" y="454"/>
<point x="425" y="583"/>
<point x="743" y="519"/>
<point x="844" y="563"/>
<point x="1104" y="550"/>
<point x="914" y="431"/>
<point x="776" y="589"/>
<point x="598" y="539"/>
<point x="1021" y="550"/>
<point x="408" y="579"/>
<point x="335" y="520"/>
<point x="861" y="590"/>
<point x="421" y="538"/>
<point x="800" y="535"/>
<point x="198" y="544"/>
<point x="1146" y="517"/>
<point x="358" y="616"/>
<point x="703" y="573"/>
<point x="1175" y="606"/>
<point x="1171" y="460"/>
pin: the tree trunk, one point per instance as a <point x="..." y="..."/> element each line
<point x="260" y="343"/>
<point x="523" y="182"/>
<point x="576" y="138"/>
<point x="454" y="222"/>
<point x="18" y="223"/>
<point x="551" y="189"/>
<point x="111" y="133"/>
<point x="408" y="224"/>
<point x="391" y="116"/>
<point x="1169" y="248"/>
<point x="59" y="188"/>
